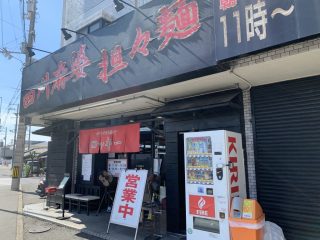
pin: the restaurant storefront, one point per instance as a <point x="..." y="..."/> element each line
<point x="126" y="95"/>
<point x="128" y="92"/>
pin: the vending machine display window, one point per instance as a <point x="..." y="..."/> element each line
<point x="199" y="160"/>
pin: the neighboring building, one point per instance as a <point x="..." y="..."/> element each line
<point x="89" y="16"/>
<point x="250" y="67"/>
<point x="37" y="156"/>
<point x="6" y="152"/>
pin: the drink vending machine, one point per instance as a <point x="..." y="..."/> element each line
<point x="214" y="174"/>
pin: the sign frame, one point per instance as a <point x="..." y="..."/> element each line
<point x="143" y="174"/>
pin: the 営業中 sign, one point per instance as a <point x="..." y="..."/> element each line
<point x="129" y="196"/>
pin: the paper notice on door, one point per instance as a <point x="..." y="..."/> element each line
<point x="86" y="166"/>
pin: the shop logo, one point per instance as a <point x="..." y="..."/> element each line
<point x="201" y="203"/>
<point x="189" y="231"/>
<point x="29" y="99"/>
<point x="201" y="206"/>
<point x="234" y="171"/>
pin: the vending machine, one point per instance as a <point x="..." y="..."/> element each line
<point x="214" y="174"/>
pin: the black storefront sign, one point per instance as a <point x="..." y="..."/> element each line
<point x="243" y="26"/>
<point x="130" y="53"/>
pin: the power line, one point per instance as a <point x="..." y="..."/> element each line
<point x="11" y="103"/>
<point x="11" y="16"/>
<point x="9" y="23"/>
<point x="1" y="12"/>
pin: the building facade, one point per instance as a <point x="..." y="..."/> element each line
<point x="251" y="67"/>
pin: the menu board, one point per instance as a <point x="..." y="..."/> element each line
<point x="115" y="166"/>
<point x="199" y="160"/>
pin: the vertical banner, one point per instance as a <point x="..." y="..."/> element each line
<point x="129" y="196"/>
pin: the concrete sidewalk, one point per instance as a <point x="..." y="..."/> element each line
<point x="92" y="225"/>
<point x="11" y="226"/>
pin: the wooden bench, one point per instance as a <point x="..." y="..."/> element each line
<point x="84" y="196"/>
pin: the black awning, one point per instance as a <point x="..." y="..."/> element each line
<point x="217" y="100"/>
<point x="46" y="131"/>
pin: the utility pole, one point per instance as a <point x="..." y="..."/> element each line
<point x="15" y="133"/>
<point x="29" y="141"/>
<point x="21" y="137"/>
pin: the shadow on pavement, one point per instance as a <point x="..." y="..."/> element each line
<point x="86" y="236"/>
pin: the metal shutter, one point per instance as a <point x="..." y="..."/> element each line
<point x="287" y="144"/>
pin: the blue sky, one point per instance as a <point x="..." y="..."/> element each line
<point x="48" y="24"/>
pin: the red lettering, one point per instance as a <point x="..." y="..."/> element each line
<point x="125" y="210"/>
<point x="61" y="77"/>
<point x="116" y="60"/>
<point x="103" y="75"/>
<point x="232" y="147"/>
<point x="225" y="4"/>
<point x="179" y="20"/>
<point x="235" y="190"/>
<point x="234" y="176"/>
<point x="132" y="181"/>
<point x="234" y="171"/>
<point x="29" y="98"/>
<point x="79" y="62"/>
<point x="129" y="195"/>
<point x="140" y="44"/>
<point x="44" y="80"/>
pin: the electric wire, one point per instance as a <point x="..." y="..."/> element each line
<point x="1" y="12"/>
<point x="11" y="16"/>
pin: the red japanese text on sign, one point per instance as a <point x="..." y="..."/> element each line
<point x="140" y="44"/>
<point x="128" y="198"/>
<point x="132" y="181"/>
<point x="129" y="195"/>
<point x="79" y="62"/>
<point x="126" y="210"/>
<point x="179" y="21"/>
<point x="103" y="75"/>
<point x="61" y="78"/>
<point x="226" y="4"/>
<point x="45" y="79"/>
<point x="116" y="62"/>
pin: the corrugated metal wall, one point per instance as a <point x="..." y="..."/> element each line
<point x="287" y="141"/>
